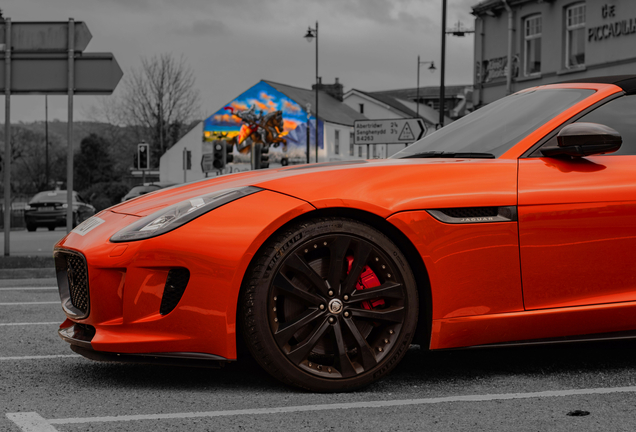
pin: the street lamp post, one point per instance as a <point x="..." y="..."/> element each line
<point x="431" y="68"/>
<point x="456" y="32"/>
<point x="311" y="33"/>
<point x="442" y="102"/>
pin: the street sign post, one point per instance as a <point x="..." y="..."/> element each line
<point x="45" y="36"/>
<point x="36" y="73"/>
<point x="46" y="58"/>
<point x="391" y="131"/>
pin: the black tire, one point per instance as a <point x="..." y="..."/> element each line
<point x="51" y="227"/>
<point x="305" y="318"/>
<point x="31" y="227"/>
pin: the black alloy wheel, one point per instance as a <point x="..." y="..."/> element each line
<point x="330" y="305"/>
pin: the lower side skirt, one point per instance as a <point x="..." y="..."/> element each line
<point x="568" y="324"/>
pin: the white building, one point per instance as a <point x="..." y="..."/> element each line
<point x="182" y="162"/>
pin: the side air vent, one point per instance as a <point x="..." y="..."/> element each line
<point x="175" y="286"/>
<point x="471" y="215"/>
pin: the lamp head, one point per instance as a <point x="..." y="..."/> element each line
<point x="432" y="67"/>
<point x="310" y="35"/>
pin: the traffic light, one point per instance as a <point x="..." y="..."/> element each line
<point x="265" y="156"/>
<point x="261" y="156"/>
<point x="219" y="151"/>
<point x="143" y="156"/>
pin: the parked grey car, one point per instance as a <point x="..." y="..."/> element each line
<point x="48" y="209"/>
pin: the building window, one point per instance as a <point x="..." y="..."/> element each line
<point x="575" y="36"/>
<point x="359" y="151"/>
<point x="361" y="108"/>
<point x="336" y="145"/>
<point x="532" y="45"/>
<point x="351" y="139"/>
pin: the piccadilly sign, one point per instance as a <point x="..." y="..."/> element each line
<point x="612" y="29"/>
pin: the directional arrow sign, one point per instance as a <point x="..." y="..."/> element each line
<point x="42" y="36"/>
<point x="95" y="73"/>
<point x="392" y="131"/>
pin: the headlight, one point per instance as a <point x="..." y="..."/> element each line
<point x="27" y="207"/>
<point x="172" y="217"/>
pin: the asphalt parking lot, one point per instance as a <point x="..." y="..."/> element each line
<point x="45" y="387"/>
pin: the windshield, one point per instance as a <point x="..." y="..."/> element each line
<point x="495" y="128"/>
<point x="51" y="197"/>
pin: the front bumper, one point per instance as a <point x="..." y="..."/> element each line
<point x="128" y="282"/>
<point x="80" y="336"/>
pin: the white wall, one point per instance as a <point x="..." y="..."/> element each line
<point x="345" y="137"/>
<point x="171" y="163"/>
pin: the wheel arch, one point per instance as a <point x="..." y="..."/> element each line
<point x="423" y="331"/>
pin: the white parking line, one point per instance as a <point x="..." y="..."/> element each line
<point x="42" y="357"/>
<point x="28" y="324"/>
<point x="28" y="288"/>
<point x="28" y="303"/>
<point x="33" y="422"/>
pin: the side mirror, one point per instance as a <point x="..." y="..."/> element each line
<point x="585" y="139"/>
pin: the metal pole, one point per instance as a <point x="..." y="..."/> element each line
<point x="69" y="159"/>
<point x="46" y="136"/>
<point x="317" y="78"/>
<point x="442" y="102"/>
<point x="7" y="136"/>
<point x="417" y="98"/>
<point x="308" y="150"/>
<point x="185" y="164"/>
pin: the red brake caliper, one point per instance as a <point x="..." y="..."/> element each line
<point x="367" y="279"/>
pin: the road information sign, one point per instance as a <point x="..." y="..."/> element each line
<point x="48" y="58"/>
<point x="392" y="131"/>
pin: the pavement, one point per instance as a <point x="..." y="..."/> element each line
<point x="30" y="255"/>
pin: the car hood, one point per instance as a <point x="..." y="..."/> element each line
<point x="382" y="187"/>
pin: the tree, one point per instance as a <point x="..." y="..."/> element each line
<point x="93" y="163"/>
<point x="28" y="160"/>
<point x="160" y="98"/>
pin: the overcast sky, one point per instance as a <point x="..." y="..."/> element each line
<point x="231" y="45"/>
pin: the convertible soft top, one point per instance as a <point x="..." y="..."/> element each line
<point x="626" y="82"/>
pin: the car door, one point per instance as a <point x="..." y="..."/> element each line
<point x="577" y="220"/>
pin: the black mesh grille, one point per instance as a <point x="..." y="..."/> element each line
<point x="72" y="270"/>
<point x="471" y="212"/>
<point x="77" y="282"/>
<point x="175" y="286"/>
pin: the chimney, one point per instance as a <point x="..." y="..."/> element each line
<point x="334" y="90"/>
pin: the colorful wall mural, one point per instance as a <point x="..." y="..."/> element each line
<point x="262" y="113"/>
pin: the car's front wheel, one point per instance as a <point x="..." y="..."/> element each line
<point x="329" y="305"/>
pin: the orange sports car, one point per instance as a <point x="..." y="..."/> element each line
<point x="513" y="225"/>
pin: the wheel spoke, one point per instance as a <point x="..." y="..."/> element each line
<point x="360" y="258"/>
<point x="338" y="253"/>
<point x="303" y="349"/>
<point x="386" y="290"/>
<point x="346" y="367"/>
<point x="366" y="352"/>
<point x="297" y="263"/>
<point x="393" y="314"/>
<point x="285" y="332"/>
<point x="281" y="282"/>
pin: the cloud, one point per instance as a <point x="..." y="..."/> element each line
<point x="208" y="27"/>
